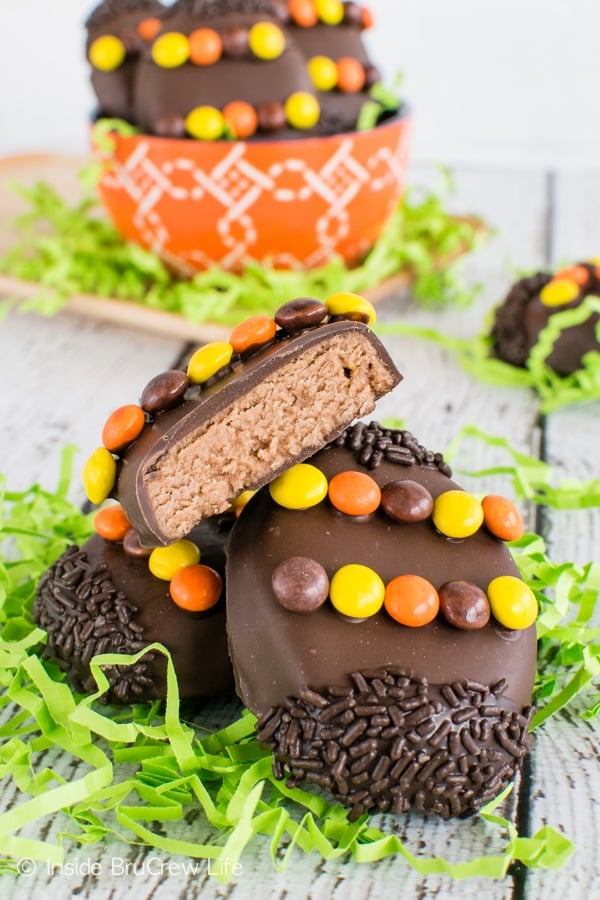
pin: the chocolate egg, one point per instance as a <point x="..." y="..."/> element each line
<point x="120" y="19"/>
<point x="523" y="315"/>
<point x="385" y="716"/>
<point x="108" y="602"/>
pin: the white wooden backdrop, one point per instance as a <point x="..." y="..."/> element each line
<point x="62" y="376"/>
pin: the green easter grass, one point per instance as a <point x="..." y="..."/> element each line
<point x="554" y="391"/>
<point x="142" y="767"/>
<point x="69" y="250"/>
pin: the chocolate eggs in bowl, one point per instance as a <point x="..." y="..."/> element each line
<point x="250" y="148"/>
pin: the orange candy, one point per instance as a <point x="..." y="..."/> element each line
<point x="411" y="600"/>
<point x="368" y="19"/>
<point x="354" y="493"/>
<point x="578" y="274"/>
<point x="502" y="518"/>
<point x="149" y="28"/>
<point x="111" y="523"/>
<point x="252" y="332"/>
<point x="206" y="46"/>
<point x="303" y="12"/>
<point x="241" y="118"/>
<point x="351" y="75"/>
<point x="196" y="588"/>
<point x="123" y="426"/>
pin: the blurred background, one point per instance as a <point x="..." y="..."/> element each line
<point x="511" y="82"/>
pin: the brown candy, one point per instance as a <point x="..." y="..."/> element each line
<point x="171" y="125"/>
<point x="406" y="501"/>
<point x="300" y="584"/>
<point x="271" y="116"/>
<point x="464" y="605"/>
<point x="235" y="41"/>
<point x="132" y="546"/>
<point x="372" y="76"/>
<point x="281" y="11"/>
<point x="164" y="391"/>
<point x="353" y="14"/>
<point x="304" y="312"/>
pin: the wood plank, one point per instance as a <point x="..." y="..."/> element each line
<point x="576" y="235"/>
<point x="566" y="774"/>
<point x="62" y="377"/>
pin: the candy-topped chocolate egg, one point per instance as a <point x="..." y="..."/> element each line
<point x="117" y="32"/>
<point x="104" y="598"/>
<point x="536" y="302"/>
<point x="411" y="684"/>
<point x="245" y="410"/>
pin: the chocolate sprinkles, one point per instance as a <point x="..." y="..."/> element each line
<point x="394" y="743"/>
<point x="85" y="615"/>
<point x="372" y="445"/>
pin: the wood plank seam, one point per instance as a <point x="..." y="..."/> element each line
<point x="525" y="797"/>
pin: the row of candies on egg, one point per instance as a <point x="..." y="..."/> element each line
<point x="456" y="514"/>
<point x="240" y="120"/>
<point x="192" y="585"/>
<point x="301" y="584"/>
<point x="205" y="46"/>
<point x="164" y="391"/>
<point x="567" y="284"/>
<point x="356" y="591"/>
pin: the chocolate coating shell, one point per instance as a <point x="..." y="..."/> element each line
<point x="144" y="613"/>
<point x="381" y="716"/>
<point x="276" y="654"/>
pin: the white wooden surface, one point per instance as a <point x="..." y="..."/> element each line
<point x="62" y="376"/>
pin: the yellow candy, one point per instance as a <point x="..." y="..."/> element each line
<point x="166" y="562"/>
<point x="205" y="123"/>
<point x="99" y="475"/>
<point x="512" y="601"/>
<point x="241" y="500"/>
<point x="302" y="110"/>
<point x="171" y="50"/>
<point x="266" y="40"/>
<point x="559" y="291"/>
<point x="207" y="361"/>
<point x="457" y="514"/>
<point x="107" y="53"/>
<point x="330" y="11"/>
<point x="351" y="305"/>
<point x="357" y="591"/>
<point x="300" y="487"/>
<point x="323" y="72"/>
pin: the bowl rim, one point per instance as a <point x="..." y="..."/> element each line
<point x="401" y="115"/>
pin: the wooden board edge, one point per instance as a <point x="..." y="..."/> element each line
<point x="142" y="318"/>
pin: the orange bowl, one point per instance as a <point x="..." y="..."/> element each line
<point x="291" y="203"/>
